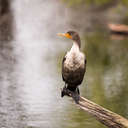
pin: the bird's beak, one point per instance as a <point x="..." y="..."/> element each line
<point x="65" y="35"/>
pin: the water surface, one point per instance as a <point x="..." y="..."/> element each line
<point x="31" y="68"/>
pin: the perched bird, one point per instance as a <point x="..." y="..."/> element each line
<point x="73" y="67"/>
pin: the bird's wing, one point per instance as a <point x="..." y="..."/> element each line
<point x="85" y="62"/>
<point x="80" y="75"/>
<point x="64" y="58"/>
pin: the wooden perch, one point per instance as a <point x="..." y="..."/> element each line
<point x="118" y="28"/>
<point x="106" y="117"/>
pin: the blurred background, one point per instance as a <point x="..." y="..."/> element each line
<point x="31" y="56"/>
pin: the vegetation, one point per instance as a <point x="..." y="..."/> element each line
<point x="94" y="2"/>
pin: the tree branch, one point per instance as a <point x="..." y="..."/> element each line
<point x="106" y="117"/>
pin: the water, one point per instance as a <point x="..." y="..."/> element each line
<point x="31" y="68"/>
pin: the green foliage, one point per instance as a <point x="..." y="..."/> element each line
<point x="74" y="3"/>
<point x="125" y="2"/>
<point x="86" y="2"/>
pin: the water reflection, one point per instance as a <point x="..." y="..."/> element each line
<point x="11" y="110"/>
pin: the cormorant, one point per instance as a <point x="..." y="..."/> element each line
<point x="73" y="67"/>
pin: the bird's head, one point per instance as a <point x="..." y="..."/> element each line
<point x="71" y="35"/>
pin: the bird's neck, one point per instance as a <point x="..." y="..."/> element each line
<point x="75" y="47"/>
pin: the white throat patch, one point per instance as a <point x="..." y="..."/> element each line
<point x="74" y="58"/>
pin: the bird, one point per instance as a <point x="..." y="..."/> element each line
<point x="73" y="67"/>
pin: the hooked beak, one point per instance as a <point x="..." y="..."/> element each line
<point x="65" y="35"/>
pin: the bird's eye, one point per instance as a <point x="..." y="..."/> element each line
<point x="70" y="33"/>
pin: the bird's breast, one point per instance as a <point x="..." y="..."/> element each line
<point x="74" y="61"/>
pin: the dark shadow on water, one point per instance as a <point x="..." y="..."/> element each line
<point x="6" y="18"/>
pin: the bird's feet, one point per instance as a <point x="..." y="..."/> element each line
<point x="64" y="92"/>
<point x="74" y="94"/>
<point x="76" y="97"/>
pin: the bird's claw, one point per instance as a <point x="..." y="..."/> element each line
<point x="65" y="91"/>
<point x="74" y="95"/>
